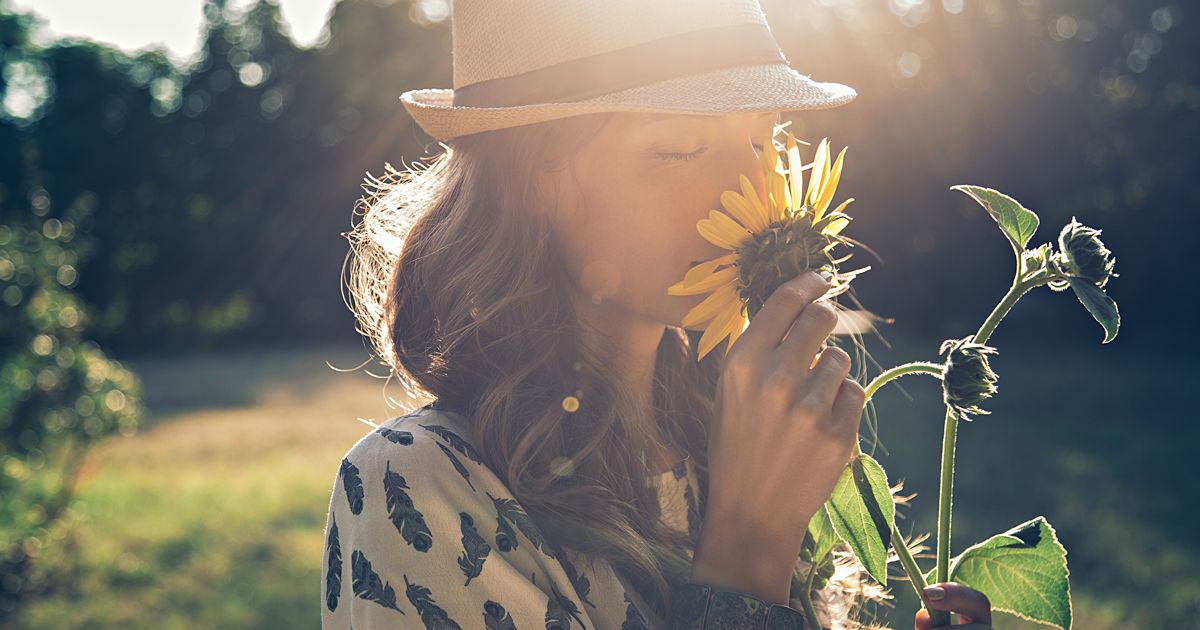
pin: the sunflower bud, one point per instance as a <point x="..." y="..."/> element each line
<point x="1082" y="254"/>
<point x="967" y="379"/>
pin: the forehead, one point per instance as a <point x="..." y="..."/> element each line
<point x="648" y="119"/>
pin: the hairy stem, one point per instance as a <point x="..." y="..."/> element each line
<point x="915" y="577"/>
<point x="806" y="599"/>
<point x="916" y="367"/>
<point x="950" y="429"/>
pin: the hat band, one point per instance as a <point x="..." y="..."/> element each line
<point x="656" y="60"/>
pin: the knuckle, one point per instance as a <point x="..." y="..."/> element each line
<point x="810" y="406"/>
<point x="738" y="363"/>
<point x="837" y="357"/>
<point x="794" y="295"/>
<point x="854" y="390"/>
<point x="777" y="384"/>
<point x="821" y="313"/>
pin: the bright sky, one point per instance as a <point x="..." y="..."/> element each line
<point x="175" y="24"/>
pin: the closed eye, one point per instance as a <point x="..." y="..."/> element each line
<point x="685" y="157"/>
<point x="681" y="157"/>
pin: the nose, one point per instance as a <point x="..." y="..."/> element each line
<point x="749" y="163"/>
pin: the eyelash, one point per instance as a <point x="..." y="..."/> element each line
<point x="687" y="157"/>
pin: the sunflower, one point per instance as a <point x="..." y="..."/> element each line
<point x="770" y="242"/>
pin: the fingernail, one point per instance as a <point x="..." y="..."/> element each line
<point x="934" y="592"/>
<point x="825" y="274"/>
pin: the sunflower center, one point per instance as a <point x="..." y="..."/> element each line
<point x="783" y="250"/>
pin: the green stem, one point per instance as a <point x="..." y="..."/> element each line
<point x="806" y="599"/>
<point x="946" y="487"/>
<point x="915" y="367"/>
<point x="915" y="577"/>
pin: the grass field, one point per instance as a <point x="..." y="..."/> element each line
<point x="212" y="515"/>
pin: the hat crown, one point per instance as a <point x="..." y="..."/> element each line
<point x="501" y="38"/>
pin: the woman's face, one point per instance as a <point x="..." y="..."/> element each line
<point x="627" y="214"/>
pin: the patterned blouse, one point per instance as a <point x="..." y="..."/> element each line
<point x="421" y="534"/>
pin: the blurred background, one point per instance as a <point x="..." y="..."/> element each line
<point x="179" y="374"/>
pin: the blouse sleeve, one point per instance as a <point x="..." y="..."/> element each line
<point x="705" y="607"/>
<point x="421" y="534"/>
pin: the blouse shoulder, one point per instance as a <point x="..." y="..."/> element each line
<point x="421" y="533"/>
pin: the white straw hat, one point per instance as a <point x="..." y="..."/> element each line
<point x="518" y="62"/>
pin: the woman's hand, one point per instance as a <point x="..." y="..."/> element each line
<point x="786" y="429"/>
<point x="973" y="607"/>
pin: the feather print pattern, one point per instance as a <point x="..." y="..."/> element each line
<point x="369" y="586"/>
<point x="404" y="515"/>
<point x="506" y="538"/>
<point x="513" y="512"/>
<point x="633" y="617"/>
<point x="578" y="580"/>
<point x="462" y="470"/>
<point x="493" y="566"/>
<point x="333" y="567"/>
<point x="560" y="611"/>
<point x="396" y="437"/>
<point x="432" y="616"/>
<point x="352" y="484"/>
<point x="455" y="440"/>
<point x="475" y="549"/>
<point x="496" y="618"/>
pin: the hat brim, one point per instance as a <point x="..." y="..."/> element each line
<point x="768" y="87"/>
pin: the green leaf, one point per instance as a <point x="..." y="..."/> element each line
<point x="1017" y="222"/>
<point x="861" y="512"/>
<point x="1022" y="571"/>
<point x="820" y="529"/>
<point x="1097" y="302"/>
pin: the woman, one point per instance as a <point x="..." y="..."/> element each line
<point x="579" y="466"/>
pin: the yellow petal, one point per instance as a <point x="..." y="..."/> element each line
<point x="699" y="272"/>
<point x="777" y="184"/>
<point x="830" y="186"/>
<point x="751" y="196"/>
<point x="714" y="233"/>
<point x="795" y="171"/>
<point x="835" y="226"/>
<point x="728" y="226"/>
<point x="739" y="327"/>
<point x="737" y="206"/>
<point x="710" y="306"/>
<point x="706" y="284"/>
<point x="816" y="179"/>
<point x="768" y="156"/>
<point x="717" y="329"/>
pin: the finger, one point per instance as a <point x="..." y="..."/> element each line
<point x="851" y="398"/>
<point x="796" y="353"/>
<point x="922" y="622"/>
<point x="780" y="311"/>
<point x="971" y="605"/>
<point x="825" y="379"/>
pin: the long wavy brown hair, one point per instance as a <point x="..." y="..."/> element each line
<point x="459" y="286"/>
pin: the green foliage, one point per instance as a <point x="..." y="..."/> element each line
<point x="821" y="535"/>
<point x="1017" y="223"/>
<point x="1023" y="571"/>
<point x="861" y="512"/>
<point x="61" y="392"/>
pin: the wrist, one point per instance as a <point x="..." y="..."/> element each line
<point x="761" y="566"/>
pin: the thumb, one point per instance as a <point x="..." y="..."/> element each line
<point x="922" y="621"/>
